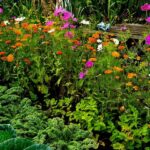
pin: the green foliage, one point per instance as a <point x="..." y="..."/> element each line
<point x="9" y="99"/>
<point x="6" y="132"/>
<point x="9" y="141"/>
<point x="68" y="137"/>
<point x="131" y="134"/>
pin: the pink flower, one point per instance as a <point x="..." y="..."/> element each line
<point x="147" y="40"/>
<point x="49" y="23"/>
<point x="89" y="64"/>
<point x="66" y="25"/>
<point x="75" y="19"/>
<point x="1" y="10"/>
<point x="81" y="75"/>
<point x="145" y="7"/>
<point x="69" y="35"/>
<point x="148" y="19"/>
<point x="59" y="11"/>
<point x="66" y="15"/>
<point x="72" y="26"/>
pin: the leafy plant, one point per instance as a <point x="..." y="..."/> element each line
<point x="9" y="141"/>
<point x="61" y="136"/>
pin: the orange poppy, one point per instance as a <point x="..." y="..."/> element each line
<point x="18" y="44"/>
<point x="4" y="58"/>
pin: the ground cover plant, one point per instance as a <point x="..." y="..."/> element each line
<point x="70" y="88"/>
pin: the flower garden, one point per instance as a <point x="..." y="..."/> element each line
<point x="65" y="85"/>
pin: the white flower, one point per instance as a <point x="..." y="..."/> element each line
<point x="99" y="41"/>
<point x="116" y="41"/>
<point x="19" y="19"/>
<point x="52" y="30"/>
<point x="85" y="22"/>
<point x="100" y="47"/>
<point x="6" y="22"/>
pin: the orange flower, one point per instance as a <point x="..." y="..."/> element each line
<point x="117" y="69"/>
<point x="115" y="54"/>
<point x="83" y="60"/>
<point x="18" y="44"/>
<point x="125" y="56"/>
<point x="2" y="53"/>
<point x="93" y="59"/>
<point x="17" y="31"/>
<point x="121" y="47"/>
<point x="8" y="42"/>
<point x="10" y="58"/>
<point x="135" y="88"/>
<point x="1" y="32"/>
<point x="148" y="49"/>
<point x="13" y="46"/>
<point x="59" y="52"/>
<point x="4" y="58"/>
<point x="131" y="75"/>
<point x="108" y="71"/>
<point x="105" y="43"/>
<point x="96" y="35"/>
<point x="91" y="40"/>
<point x="27" y="61"/>
<point x="117" y="77"/>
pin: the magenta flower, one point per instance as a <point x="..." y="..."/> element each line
<point x="66" y="25"/>
<point x="147" y="40"/>
<point x="59" y="11"/>
<point x="67" y="15"/>
<point x="69" y="35"/>
<point x="145" y="7"/>
<point x="49" y="23"/>
<point x="81" y="75"/>
<point x="89" y="64"/>
<point x="1" y="10"/>
<point x="148" y="19"/>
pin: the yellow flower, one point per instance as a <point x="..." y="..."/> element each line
<point x="115" y="54"/>
<point x="117" y="69"/>
<point x="129" y="84"/>
<point x="135" y="88"/>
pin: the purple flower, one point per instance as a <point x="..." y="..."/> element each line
<point x="75" y="19"/>
<point x="72" y="26"/>
<point x="89" y="64"/>
<point x="147" y="40"/>
<point x="49" y="23"/>
<point x="1" y="10"/>
<point x="123" y="28"/>
<point x="69" y="35"/>
<point x="148" y="19"/>
<point x="81" y="75"/>
<point x="145" y="7"/>
<point x="59" y="11"/>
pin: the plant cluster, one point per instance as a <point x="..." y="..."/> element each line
<point x="71" y="88"/>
